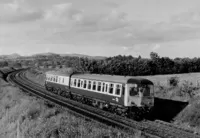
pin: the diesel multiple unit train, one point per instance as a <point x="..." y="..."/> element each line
<point x="123" y="95"/>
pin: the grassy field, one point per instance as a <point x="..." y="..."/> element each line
<point x="24" y="116"/>
<point x="163" y="79"/>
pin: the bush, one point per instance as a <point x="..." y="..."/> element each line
<point x="33" y="113"/>
<point x="173" y="81"/>
<point x="188" y="88"/>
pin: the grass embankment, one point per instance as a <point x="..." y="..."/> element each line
<point x="190" y="116"/>
<point x="188" y="86"/>
<point x="186" y="90"/>
<point x="23" y="116"/>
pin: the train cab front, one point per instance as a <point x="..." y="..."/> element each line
<point x="139" y="98"/>
<point x="140" y="94"/>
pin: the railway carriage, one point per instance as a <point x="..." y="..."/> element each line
<point x="120" y="94"/>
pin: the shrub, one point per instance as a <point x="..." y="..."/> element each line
<point x="188" y="88"/>
<point x="173" y="81"/>
<point x="33" y="113"/>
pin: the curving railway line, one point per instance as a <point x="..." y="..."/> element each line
<point x="148" y="128"/>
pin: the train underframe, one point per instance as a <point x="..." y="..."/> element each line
<point x="134" y="112"/>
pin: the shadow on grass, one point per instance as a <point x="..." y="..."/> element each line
<point x="166" y="110"/>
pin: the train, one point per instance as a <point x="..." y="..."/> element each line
<point x="123" y="95"/>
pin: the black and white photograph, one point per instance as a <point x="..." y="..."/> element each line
<point x="99" y="68"/>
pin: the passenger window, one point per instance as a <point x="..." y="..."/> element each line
<point x="85" y="84"/>
<point x="56" y="78"/>
<point x="99" y="86"/>
<point x="94" y="86"/>
<point x="75" y="82"/>
<point x="106" y="88"/>
<point x="103" y="87"/>
<point x="89" y="85"/>
<point x="79" y="83"/>
<point x="63" y="80"/>
<point x="118" y="89"/>
<point x="111" y="89"/>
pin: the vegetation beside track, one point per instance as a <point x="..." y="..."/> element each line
<point x="188" y="118"/>
<point x="27" y="116"/>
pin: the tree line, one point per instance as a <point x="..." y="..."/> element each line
<point x="118" y="65"/>
<point x="125" y="65"/>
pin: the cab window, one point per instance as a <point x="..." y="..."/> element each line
<point x="145" y="90"/>
<point x="133" y="90"/>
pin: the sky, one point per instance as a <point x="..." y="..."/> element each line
<point x="101" y="27"/>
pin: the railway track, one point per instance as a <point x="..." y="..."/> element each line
<point x="148" y="128"/>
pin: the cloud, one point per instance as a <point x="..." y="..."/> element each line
<point x="66" y="22"/>
<point x="101" y="22"/>
<point x="57" y="11"/>
<point x="156" y="47"/>
<point x="186" y="28"/>
<point x="125" y="48"/>
<point x="111" y="4"/>
<point x="14" y="12"/>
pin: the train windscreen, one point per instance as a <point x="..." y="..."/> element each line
<point x="146" y="90"/>
<point x="141" y="90"/>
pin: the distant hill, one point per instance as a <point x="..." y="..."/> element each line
<point x="82" y="55"/>
<point x="15" y="56"/>
<point x="69" y="55"/>
<point x="12" y="56"/>
<point x="45" y="54"/>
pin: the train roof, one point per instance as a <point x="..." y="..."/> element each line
<point x="113" y="78"/>
<point x="59" y="73"/>
<point x="103" y="77"/>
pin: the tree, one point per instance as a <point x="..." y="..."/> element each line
<point x="3" y="63"/>
<point x="154" y="55"/>
<point x="17" y="65"/>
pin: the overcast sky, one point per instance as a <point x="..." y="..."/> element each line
<point x="101" y="27"/>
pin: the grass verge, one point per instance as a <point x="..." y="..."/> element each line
<point x="24" y="116"/>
